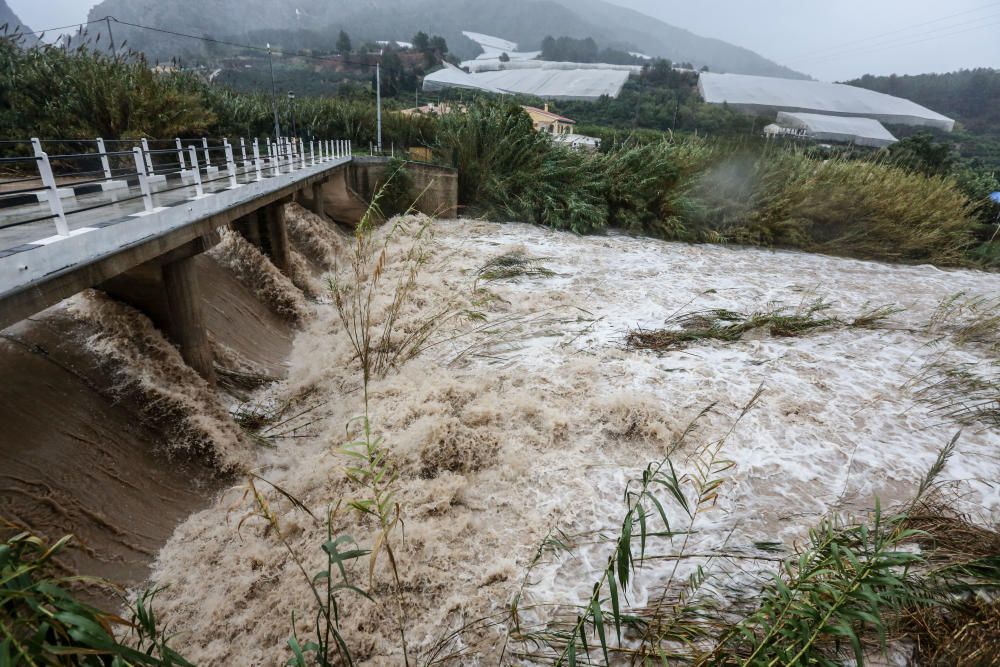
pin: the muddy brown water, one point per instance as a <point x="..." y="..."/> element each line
<point x="76" y="456"/>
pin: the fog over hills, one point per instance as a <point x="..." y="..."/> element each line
<point x="315" y="23"/>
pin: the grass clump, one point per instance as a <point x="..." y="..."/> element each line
<point x="43" y="623"/>
<point x="969" y="319"/>
<point x="958" y="623"/>
<point x="729" y="326"/>
<point x="861" y="208"/>
<point x="966" y="394"/>
<point x="512" y="265"/>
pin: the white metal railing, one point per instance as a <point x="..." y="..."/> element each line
<point x="49" y="179"/>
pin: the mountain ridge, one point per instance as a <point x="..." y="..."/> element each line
<point x="10" y="19"/>
<point x="524" y="21"/>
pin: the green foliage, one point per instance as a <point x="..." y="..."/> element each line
<point x="343" y="43"/>
<point x="920" y="153"/>
<point x="972" y="97"/>
<point x="43" y="623"/>
<point x="508" y="170"/>
<point x="397" y="189"/>
<point x="251" y="115"/>
<point x="327" y="639"/>
<point x="839" y="588"/>
<point x="568" y="49"/>
<point x="864" y="208"/>
<point x="50" y="92"/>
<point x="665" y="99"/>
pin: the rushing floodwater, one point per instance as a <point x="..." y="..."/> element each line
<point x="537" y="426"/>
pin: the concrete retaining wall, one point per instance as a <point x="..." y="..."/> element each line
<point x="438" y="185"/>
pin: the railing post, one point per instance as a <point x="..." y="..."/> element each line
<point x="256" y="159"/>
<point x="180" y="154"/>
<point x="208" y="156"/>
<point x="243" y="149"/>
<point x="105" y="163"/>
<point x="302" y="153"/>
<point x="312" y="151"/>
<point x="230" y="164"/>
<point x="199" y="191"/>
<point x="49" y="181"/>
<point x="148" y="158"/>
<point x="270" y="157"/>
<point x="140" y="168"/>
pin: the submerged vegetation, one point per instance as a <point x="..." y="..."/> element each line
<point x="686" y="328"/>
<point x="512" y="265"/>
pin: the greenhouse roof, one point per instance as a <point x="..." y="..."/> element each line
<point x="761" y="93"/>
<point x="850" y="129"/>
<point x="548" y="83"/>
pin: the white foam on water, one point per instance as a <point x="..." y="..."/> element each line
<point x="539" y="425"/>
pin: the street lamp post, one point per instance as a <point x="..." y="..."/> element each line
<point x="274" y="96"/>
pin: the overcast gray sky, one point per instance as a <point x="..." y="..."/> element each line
<point x="829" y="39"/>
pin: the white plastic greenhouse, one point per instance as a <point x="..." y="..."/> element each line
<point x="767" y="94"/>
<point x="547" y="83"/>
<point x="846" y="129"/>
<point x="494" y="64"/>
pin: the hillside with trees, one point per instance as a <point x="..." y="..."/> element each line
<point x="316" y="24"/>
<point x="971" y="97"/>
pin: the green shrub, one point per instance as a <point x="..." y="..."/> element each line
<point x="862" y="208"/>
<point x="43" y="623"/>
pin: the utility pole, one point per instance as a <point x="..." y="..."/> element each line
<point x="378" y="101"/>
<point x="111" y="35"/>
<point x="274" y="95"/>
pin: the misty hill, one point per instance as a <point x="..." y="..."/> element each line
<point x="315" y="24"/>
<point x="8" y="17"/>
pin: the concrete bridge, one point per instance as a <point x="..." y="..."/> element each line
<point x="99" y="217"/>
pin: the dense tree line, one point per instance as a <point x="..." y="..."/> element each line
<point x="972" y="97"/>
<point x="568" y="49"/>
<point x="665" y="99"/>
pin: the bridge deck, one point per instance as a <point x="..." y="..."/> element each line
<point x="107" y="223"/>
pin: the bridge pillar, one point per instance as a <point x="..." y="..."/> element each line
<point x="249" y="227"/>
<point x="277" y="237"/>
<point x="317" y="200"/>
<point x="186" y="321"/>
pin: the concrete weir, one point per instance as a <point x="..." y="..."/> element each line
<point x="111" y="435"/>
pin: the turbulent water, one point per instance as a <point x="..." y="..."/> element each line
<point x="532" y="423"/>
<point x="109" y="436"/>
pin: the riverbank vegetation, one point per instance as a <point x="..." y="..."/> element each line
<point x="909" y="204"/>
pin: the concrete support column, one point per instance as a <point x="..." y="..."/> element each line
<point x="187" y="324"/>
<point x="277" y="233"/>
<point x="317" y="200"/>
<point x="249" y="227"/>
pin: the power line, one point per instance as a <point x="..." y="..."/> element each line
<point x="975" y="24"/>
<point x="837" y="47"/>
<point x="63" y="27"/>
<point x="930" y="37"/>
<point x="278" y="52"/>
